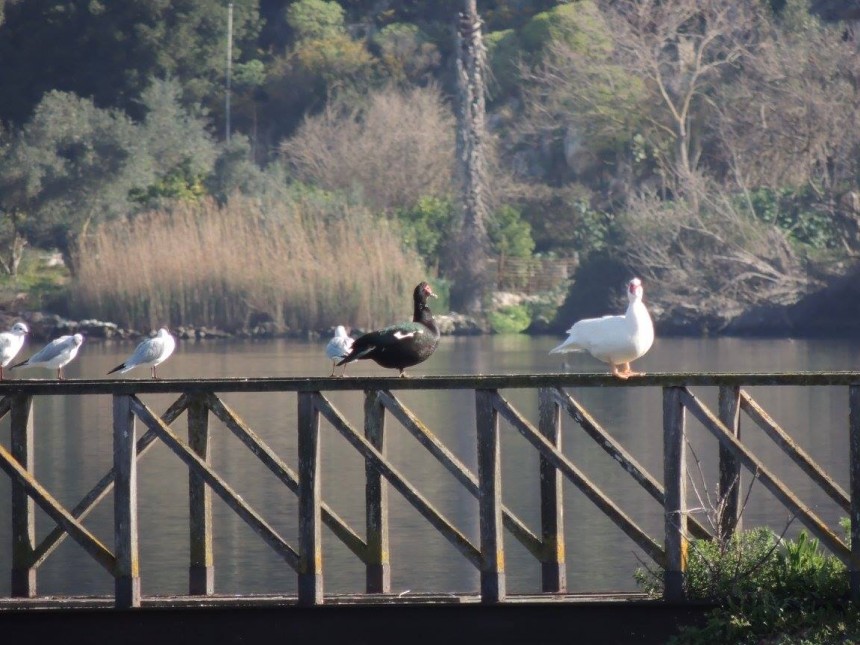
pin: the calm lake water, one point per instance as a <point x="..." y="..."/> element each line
<point x="74" y="450"/>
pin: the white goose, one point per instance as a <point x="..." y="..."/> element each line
<point x="616" y="340"/>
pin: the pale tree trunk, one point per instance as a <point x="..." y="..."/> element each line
<point x="12" y="255"/>
<point x="469" y="257"/>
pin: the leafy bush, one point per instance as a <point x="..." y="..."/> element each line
<point x="765" y="586"/>
<point x="797" y="213"/>
<point x="509" y="320"/>
<point x="510" y="235"/>
<point x="426" y="224"/>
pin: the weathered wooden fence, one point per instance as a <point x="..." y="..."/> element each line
<point x="199" y="399"/>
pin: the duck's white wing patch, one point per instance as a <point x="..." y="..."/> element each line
<point x="399" y="335"/>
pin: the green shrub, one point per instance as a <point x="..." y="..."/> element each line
<point x="796" y="212"/>
<point x="426" y="224"/>
<point x="765" y="587"/>
<point x="509" y="320"/>
<point x="510" y="235"/>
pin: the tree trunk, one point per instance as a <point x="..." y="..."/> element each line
<point x="469" y="257"/>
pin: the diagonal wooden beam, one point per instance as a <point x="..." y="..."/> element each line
<point x="104" y="486"/>
<point x="282" y="471"/>
<point x="615" y="450"/>
<point x="6" y="405"/>
<point x="444" y="456"/>
<point x="181" y="449"/>
<point x="56" y="512"/>
<point x="398" y="481"/>
<point x="592" y="492"/>
<point x="779" y="436"/>
<point x="770" y="481"/>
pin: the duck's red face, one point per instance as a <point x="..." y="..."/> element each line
<point x="428" y="291"/>
<point x="635" y="287"/>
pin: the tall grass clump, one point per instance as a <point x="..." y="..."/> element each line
<point x="303" y="262"/>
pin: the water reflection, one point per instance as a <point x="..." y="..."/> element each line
<point x="74" y="449"/>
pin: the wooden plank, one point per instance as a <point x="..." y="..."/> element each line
<point x="629" y="463"/>
<point x="675" y="508"/>
<point x="400" y="483"/>
<point x="127" y="574"/>
<point x="553" y="566"/>
<point x="56" y="512"/>
<point x="201" y="570"/>
<point x="283" y="472"/>
<point x="310" y="515"/>
<point x="771" y="481"/>
<point x="378" y="569"/>
<point x="104" y="486"/>
<point x="36" y="387"/>
<point x="218" y="485"/>
<point x="23" y="508"/>
<point x="571" y="472"/>
<point x="795" y="452"/>
<point x="854" y="484"/>
<point x="452" y="464"/>
<point x="6" y="401"/>
<point x="729" y="520"/>
<point x="490" y="498"/>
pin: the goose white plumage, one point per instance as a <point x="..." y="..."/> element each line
<point x="152" y="351"/>
<point x="11" y="343"/>
<point x="338" y="347"/>
<point x="55" y="355"/>
<point x="617" y="340"/>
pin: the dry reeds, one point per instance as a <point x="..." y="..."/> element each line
<point x="202" y="264"/>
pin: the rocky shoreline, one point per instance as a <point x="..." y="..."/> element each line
<point x="833" y="311"/>
<point x="47" y="326"/>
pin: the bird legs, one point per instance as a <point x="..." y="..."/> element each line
<point x="623" y="371"/>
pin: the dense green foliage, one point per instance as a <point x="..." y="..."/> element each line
<point x="769" y="590"/>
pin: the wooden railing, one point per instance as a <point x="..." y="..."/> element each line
<point x="199" y="399"/>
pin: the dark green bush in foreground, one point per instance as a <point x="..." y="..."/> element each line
<point x="769" y="590"/>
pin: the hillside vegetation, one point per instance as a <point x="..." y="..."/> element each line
<point x="709" y="147"/>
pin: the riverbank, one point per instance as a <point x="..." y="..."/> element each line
<point x="47" y="326"/>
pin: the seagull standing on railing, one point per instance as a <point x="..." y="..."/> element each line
<point x="55" y="355"/>
<point x="152" y="351"/>
<point x="11" y="343"/>
<point x="338" y="347"/>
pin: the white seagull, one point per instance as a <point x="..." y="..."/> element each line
<point x="11" y="343"/>
<point x="616" y="340"/>
<point x="338" y="347"/>
<point x="152" y="351"/>
<point x="55" y="355"/>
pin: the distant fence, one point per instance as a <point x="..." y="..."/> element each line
<point x="199" y="399"/>
<point x="532" y="275"/>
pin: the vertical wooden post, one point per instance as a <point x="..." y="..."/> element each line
<point x="127" y="575"/>
<point x="675" y="483"/>
<point x="378" y="573"/>
<point x="201" y="571"/>
<point x="553" y="568"/>
<point x="730" y="467"/>
<point x="854" y="483"/>
<point x="490" y="498"/>
<point x="310" y="512"/>
<point x="23" y="508"/>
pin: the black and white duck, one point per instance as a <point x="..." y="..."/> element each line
<point x="402" y="345"/>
